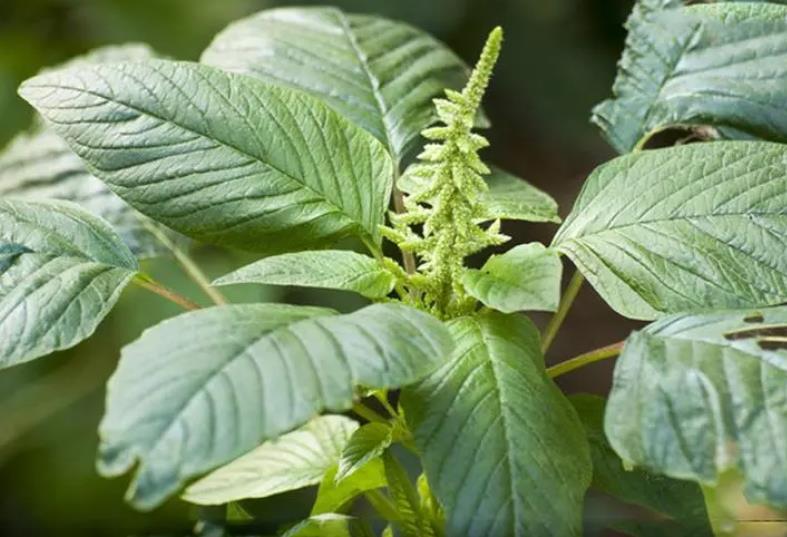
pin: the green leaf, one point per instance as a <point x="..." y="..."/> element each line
<point x="508" y="197"/>
<point x="723" y="65"/>
<point x="332" y="269"/>
<point x="61" y="271"/>
<point x="330" y="525"/>
<point x="380" y="74"/>
<point x="220" y="157"/>
<point x="411" y="521"/>
<point x="527" y="277"/>
<point x="684" y="229"/>
<point x="503" y="449"/>
<point x="682" y="501"/>
<point x="204" y="388"/>
<point x="695" y="395"/>
<point x="295" y="460"/>
<point x="366" y="444"/>
<point x="334" y="495"/>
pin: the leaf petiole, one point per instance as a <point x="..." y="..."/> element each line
<point x="368" y="414"/>
<point x="603" y="353"/>
<point x="148" y="283"/>
<point x="570" y="294"/>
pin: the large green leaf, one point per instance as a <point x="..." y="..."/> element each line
<point x="61" y="271"/>
<point x="295" y="460"/>
<point x="204" y="388"/>
<point x="508" y="197"/>
<point x="723" y="65"/>
<point x="527" y="277"/>
<point x="220" y="157"/>
<point x="682" y="501"/>
<point x="378" y="73"/>
<point x="694" y="395"/>
<point x="503" y="449"/>
<point x="683" y="229"/>
<point x="332" y="269"/>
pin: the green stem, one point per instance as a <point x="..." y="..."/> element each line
<point x="368" y="414"/>
<point x="557" y="319"/>
<point x="382" y="396"/>
<point x="189" y="266"/>
<point x="382" y="504"/>
<point x="604" y="353"/>
<point x="398" y="198"/>
<point x="154" y="287"/>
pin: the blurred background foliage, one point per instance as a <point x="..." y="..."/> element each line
<point x="558" y="61"/>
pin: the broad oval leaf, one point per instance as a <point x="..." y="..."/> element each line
<point x="217" y="156"/>
<point x="333" y="495"/>
<point x="332" y="269"/>
<point x="204" y="388"/>
<point x="295" y="460"/>
<point x="378" y="73"/>
<point x="61" y="271"/>
<point x="508" y="197"/>
<point x="527" y="277"/>
<point x="365" y="445"/>
<point x="501" y="446"/>
<point x="681" y="501"/>
<point x="683" y="229"/>
<point x="694" y="395"/>
<point x="723" y="65"/>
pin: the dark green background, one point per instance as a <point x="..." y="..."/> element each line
<point x="558" y="61"/>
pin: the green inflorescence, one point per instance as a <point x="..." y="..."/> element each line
<point x="441" y="222"/>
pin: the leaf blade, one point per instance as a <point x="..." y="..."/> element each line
<point x="295" y="460"/>
<point x="200" y="164"/>
<point x="332" y="269"/>
<point x="684" y="229"/>
<point x="383" y="74"/>
<point x="62" y="272"/>
<point x="483" y="413"/>
<point x="526" y="277"/>
<point x="232" y="361"/>
<point x="718" y="400"/>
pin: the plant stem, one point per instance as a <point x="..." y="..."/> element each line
<point x="562" y="310"/>
<point x="189" y="266"/>
<point x="368" y="414"/>
<point x="154" y="287"/>
<point x="382" y="396"/>
<point x="610" y="351"/>
<point x="382" y="504"/>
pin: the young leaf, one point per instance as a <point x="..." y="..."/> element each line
<point x="694" y="395"/>
<point x="508" y="197"/>
<point x="334" y="495"/>
<point x="330" y="525"/>
<point x="684" y="229"/>
<point x="696" y="65"/>
<point x="503" y="449"/>
<point x="411" y="522"/>
<point x="366" y="444"/>
<point x="203" y="388"/>
<point x="61" y="271"/>
<point x="378" y="73"/>
<point x="332" y="269"/>
<point x="527" y="277"/>
<point x="295" y="460"/>
<point x="220" y="157"/>
<point x="682" y="501"/>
